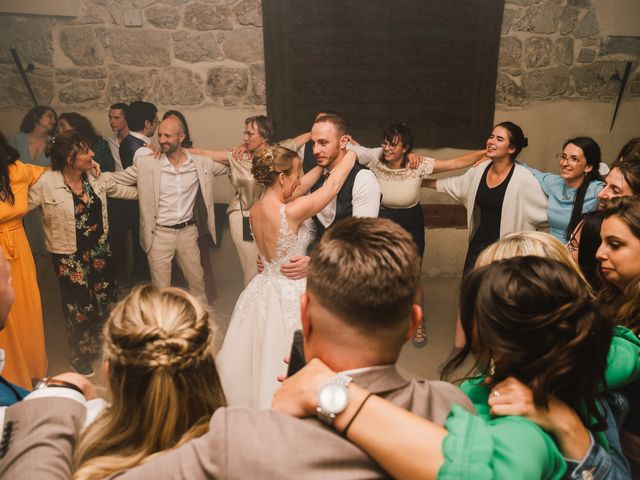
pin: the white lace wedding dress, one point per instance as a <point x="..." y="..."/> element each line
<point x="262" y="325"/>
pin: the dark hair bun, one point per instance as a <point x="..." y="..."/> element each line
<point x="262" y="168"/>
<point x="525" y="142"/>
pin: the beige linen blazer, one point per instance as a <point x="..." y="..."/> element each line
<point x="240" y="444"/>
<point x="146" y="171"/>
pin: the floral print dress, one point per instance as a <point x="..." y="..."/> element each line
<point x="86" y="280"/>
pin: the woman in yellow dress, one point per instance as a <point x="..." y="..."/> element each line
<point x="23" y="337"/>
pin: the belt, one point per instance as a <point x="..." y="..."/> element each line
<point x="180" y="226"/>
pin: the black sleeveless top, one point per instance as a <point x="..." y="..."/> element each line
<point x="489" y="201"/>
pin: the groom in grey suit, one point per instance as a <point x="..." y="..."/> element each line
<point x="353" y="320"/>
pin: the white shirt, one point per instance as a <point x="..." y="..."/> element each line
<point x="365" y="199"/>
<point x="178" y="190"/>
<point x="114" y="145"/>
<point x="142" y="150"/>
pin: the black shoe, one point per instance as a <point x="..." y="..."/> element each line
<point x="83" y="368"/>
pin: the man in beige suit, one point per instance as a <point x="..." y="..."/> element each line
<point x="356" y="314"/>
<point x="169" y="187"/>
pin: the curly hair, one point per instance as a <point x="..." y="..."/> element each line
<point x="535" y="317"/>
<point x="163" y="382"/>
<point x="81" y="125"/>
<point x="8" y="156"/>
<point x="269" y="162"/>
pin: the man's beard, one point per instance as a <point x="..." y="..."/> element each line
<point x="168" y="149"/>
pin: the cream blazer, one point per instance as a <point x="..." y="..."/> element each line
<point x="55" y="201"/>
<point x="146" y="171"/>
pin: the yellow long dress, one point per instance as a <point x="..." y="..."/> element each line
<point x="23" y="336"/>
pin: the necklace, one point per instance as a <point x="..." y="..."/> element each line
<point x="565" y="194"/>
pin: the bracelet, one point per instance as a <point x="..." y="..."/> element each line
<point x="346" y="429"/>
<point x="55" y="382"/>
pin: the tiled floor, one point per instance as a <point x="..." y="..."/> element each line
<point x="440" y="298"/>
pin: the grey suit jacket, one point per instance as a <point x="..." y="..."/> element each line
<point x="242" y="443"/>
<point x="146" y="171"/>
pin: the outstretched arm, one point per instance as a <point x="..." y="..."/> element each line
<point x="219" y="156"/>
<point x="455" y="163"/>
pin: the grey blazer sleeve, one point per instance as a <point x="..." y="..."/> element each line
<point x="41" y="435"/>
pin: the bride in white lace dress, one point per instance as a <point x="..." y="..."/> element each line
<point x="268" y="310"/>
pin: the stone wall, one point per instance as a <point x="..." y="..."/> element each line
<point x="173" y="52"/>
<point x="556" y="49"/>
<point x="199" y="53"/>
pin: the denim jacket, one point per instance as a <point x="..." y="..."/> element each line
<point x="55" y="200"/>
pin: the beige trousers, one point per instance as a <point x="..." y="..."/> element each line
<point x="183" y="244"/>
<point x="247" y="251"/>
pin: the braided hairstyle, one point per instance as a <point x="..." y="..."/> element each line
<point x="269" y="162"/>
<point x="535" y="317"/>
<point x="163" y="382"/>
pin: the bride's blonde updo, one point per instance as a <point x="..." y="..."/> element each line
<point x="269" y="162"/>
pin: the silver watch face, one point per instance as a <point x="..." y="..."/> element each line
<point x="333" y="398"/>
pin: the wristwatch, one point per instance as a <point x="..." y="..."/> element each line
<point x="333" y="398"/>
<point x="47" y="382"/>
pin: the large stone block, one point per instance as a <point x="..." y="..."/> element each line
<point x="14" y="94"/>
<point x="177" y="86"/>
<point x="596" y="79"/>
<point x="586" y="55"/>
<point x="197" y="47"/>
<point x="546" y="83"/>
<point x="29" y="35"/>
<point x="508" y="92"/>
<point x="540" y="19"/>
<point x="258" y="84"/>
<point x="520" y="2"/>
<point x="92" y="14"/>
<point x="64" y="75"/>
<point x="508" y="16"/>
<point x="249" y="12"/>
<point x="244" y="45"/>
<point x="141" y="48"/>
<point x="563" y="51"/>
<point x="162" y="16"/>
<point x="588" y="26"/>
<point x="81" y="91"/>
<point x="81" y="45"/>
<point x="510" y="52"/>
<point x="569" y="20"/>
<point x="202" y="16"/>
<point x="634" y="87"/>
<point x="625" y="45"/>
<point x="227" y="85"/>
<point x="537" y="52"/>
<point x="128" y="86"/>
<point x="579" y="3"/>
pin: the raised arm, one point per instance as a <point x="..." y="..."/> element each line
<point x="307" y="181"/>
<point x="306" y="206"/>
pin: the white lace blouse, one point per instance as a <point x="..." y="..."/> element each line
<point x="400" y="187"/>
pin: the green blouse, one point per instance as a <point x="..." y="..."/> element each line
<point x="486" y="447"/>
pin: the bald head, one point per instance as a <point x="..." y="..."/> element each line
<point x="170" y="135"/>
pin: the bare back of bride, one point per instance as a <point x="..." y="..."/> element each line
<point x="268" y="310"/>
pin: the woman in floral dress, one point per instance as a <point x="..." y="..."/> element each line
<point x="74" y="213"/>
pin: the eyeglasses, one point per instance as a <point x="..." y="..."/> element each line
<point x="388" y="145"/>
<point x="571" y="160"/>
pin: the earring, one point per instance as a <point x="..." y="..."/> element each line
<point x="492" y="367"/>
